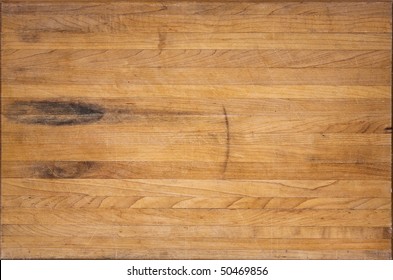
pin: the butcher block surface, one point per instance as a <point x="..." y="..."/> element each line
<point x="196" y="129"/>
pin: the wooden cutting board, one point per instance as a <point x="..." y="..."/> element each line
<point x="196" y="129"/>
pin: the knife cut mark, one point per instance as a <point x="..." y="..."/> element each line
<point x="228" y="139"/>
<point x="54" y="113"/>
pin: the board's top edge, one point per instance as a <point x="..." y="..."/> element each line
<point x="174" y="1"/>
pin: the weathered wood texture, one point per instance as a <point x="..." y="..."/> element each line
<point x="196" y="129"/>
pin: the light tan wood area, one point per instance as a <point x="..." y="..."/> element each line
<point x="196" y="129"/>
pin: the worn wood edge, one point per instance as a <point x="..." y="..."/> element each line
<point x="174" y="1"/>
<point x="1" y="130"/>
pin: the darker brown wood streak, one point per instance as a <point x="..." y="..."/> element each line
<point x="54" y="113"/>
<point x="161" y="40"/>
<point x="62" y="170"/>
<point x="389" y="130"/>
<point x="192" y="170"/>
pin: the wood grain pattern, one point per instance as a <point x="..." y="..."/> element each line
<point x="193" y="23"/>
<point x="199" y="41"/>
<point x="184" y="76"/>
<point x="143" y="254"/>
<point x="196" y="129"/>
<point x="196" y="231"/>
<point x="268" y="217"/>
<point x="197" y="58"/>
<point x="205" y="92"/>
<point x="205" y="188"/>
<point x="263" y="8"/>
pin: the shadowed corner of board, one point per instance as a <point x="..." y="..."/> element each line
<point x="53" y="113"/>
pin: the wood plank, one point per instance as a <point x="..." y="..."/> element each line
<point x="196" y="170"/>
<point x="217" y="8"/>
<point x="85" y="253"/>
<point x="204" y="188"/>
<point x="140" y="232"/>
<point x="238" y="124"/>
<point x="265" y="217"/>
<point x="187" y="202"/>
<point x="196" y="106"/>
<point x="88" y="59"/>
<point x="190" y="152"/>
<point x="199" y="76"/>
<point x="117" y="136"/>
<point x="130" y="23"/>
<point x="206" y="92"/>
<point x="202" y="41"/>
<point x="95" y="242"/>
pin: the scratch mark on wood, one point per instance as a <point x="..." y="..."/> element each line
<point x="54" y="113"/>
<point x="228" y="146"/>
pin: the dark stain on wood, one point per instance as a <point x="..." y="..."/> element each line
<point x="161" y="41"/>
<point x="29" y="37"/>
<point x="388" y="129"/>
<point x="54" y="113"/>
<point x="62" y="170"/>
<point x="387" y="233"/>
